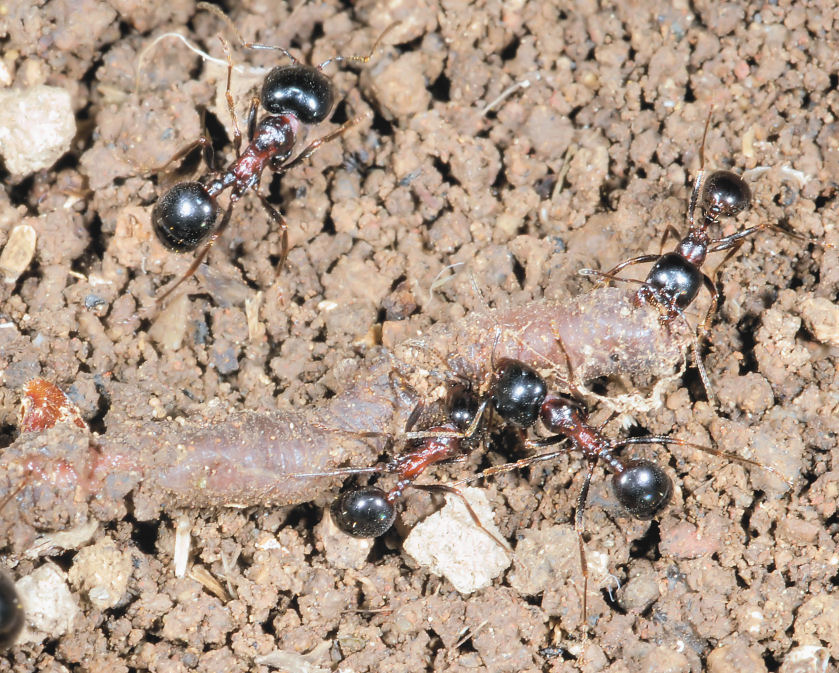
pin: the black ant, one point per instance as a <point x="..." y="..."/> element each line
<point x="675" y="278"/>
<point x="293" y="95"/>
<point x="370" y="511"/>
<point x="11" y="612"/>
<point x="641" y="486"/>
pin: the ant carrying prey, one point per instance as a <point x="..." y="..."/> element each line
<point x="370" y="511"/>
<point x="294" y="96"/>
<point x="676" y="278"/>
<point x="641" y="486"/>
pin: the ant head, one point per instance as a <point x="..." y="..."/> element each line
<point x="675" y="279"/>
<point x="184" y="216"/>
<point x="643" y="488"/>
<point x="11" y="612"/>
<point x="563" y="414"/>
<point x="300" y="90"/>
<point x="725" y="194"/>
<point x="518" y="392"/>
<point x="462" y="404"/>
<point x="365" y="512"/>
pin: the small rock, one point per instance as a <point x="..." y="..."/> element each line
<point x="103" y="571"/>
<point x="449" y="543"/>
<point x="806" y="659"/>
<point x="169" y="328"/>
<point x="36" y="128"/>
<point x="735" y="657"/>
<point x="18" y="252"/>
<point x="818" y="617"/>
<point x="684" y="540"/>
<point x="821" y="317"/>
<point x="639" y="593"/>
<point x="49" y="606"/>
<point x="544" y="557"/>
<point x="665" y="660"/>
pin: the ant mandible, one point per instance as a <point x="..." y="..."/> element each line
<point x="293" y="95"/>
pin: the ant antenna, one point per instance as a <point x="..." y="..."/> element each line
<point x="213" y="9"/>
<point x="360" y="59"/>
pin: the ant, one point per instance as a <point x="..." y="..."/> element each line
<point x="370" y="511"/>
<point x="11" y="612"/>
<point x="676" y="277"/>
<point x="640" y="485"/>
<point x="294" y="96"/>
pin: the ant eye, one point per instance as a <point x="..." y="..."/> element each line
<point x="643" y="488"/>
<point x="518" y="393"/>
<point x="184" y="216"/>
<point x="299" y="90"/>
<point x="725" y="194"/>
<point x="365" y="512"/>
<point x="11" y="612"/>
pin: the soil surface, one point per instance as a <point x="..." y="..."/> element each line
<point x="503" y="146"/>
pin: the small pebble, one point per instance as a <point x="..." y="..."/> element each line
<point x="449" y="544"/>
<point x="169" y="328"/>
<point x="665" y="660"/>
<point x="36" y="128"/>
<point x="340" y="549"/>
<point x="639" y="593"/>
<point x="821" y="317"/>
<point x="806" y="659"/>
<point x="50" y="607"/>
<point x="735" y="657"/>
<point x="18" y="252"/>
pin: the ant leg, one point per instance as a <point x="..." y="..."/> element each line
<point x="416" y="412"/>
<point x="603" y="275"/>
<point x="610" y="418"/>
<point x="579" y="528"/>
<point x="213" y="9"/>
<point x="443" y="488"/>
<point x="469" y="432"/>
<point x="201" y="255"/>
<point x="703" y="373"/>
<point x="694" y="195"/>
<point x="669" y="231"/>
<point x="279" y="220"/>
<point x="642" y="259"/>
<point x="705" y="325"/>
<point x="700" y="176"/>
<point x="524" y="462"/>
<point x="252" y="110"/>
<point x="237" y="134"/>
<point x="729" y="242"/>
<point x="343" y="472"/>
<point x="314" y="145"/>
<point x="659" y="439"/>
<point x="12" y="494"/>
<point x="571" y="385"/>
<point x="207" y="154"/>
